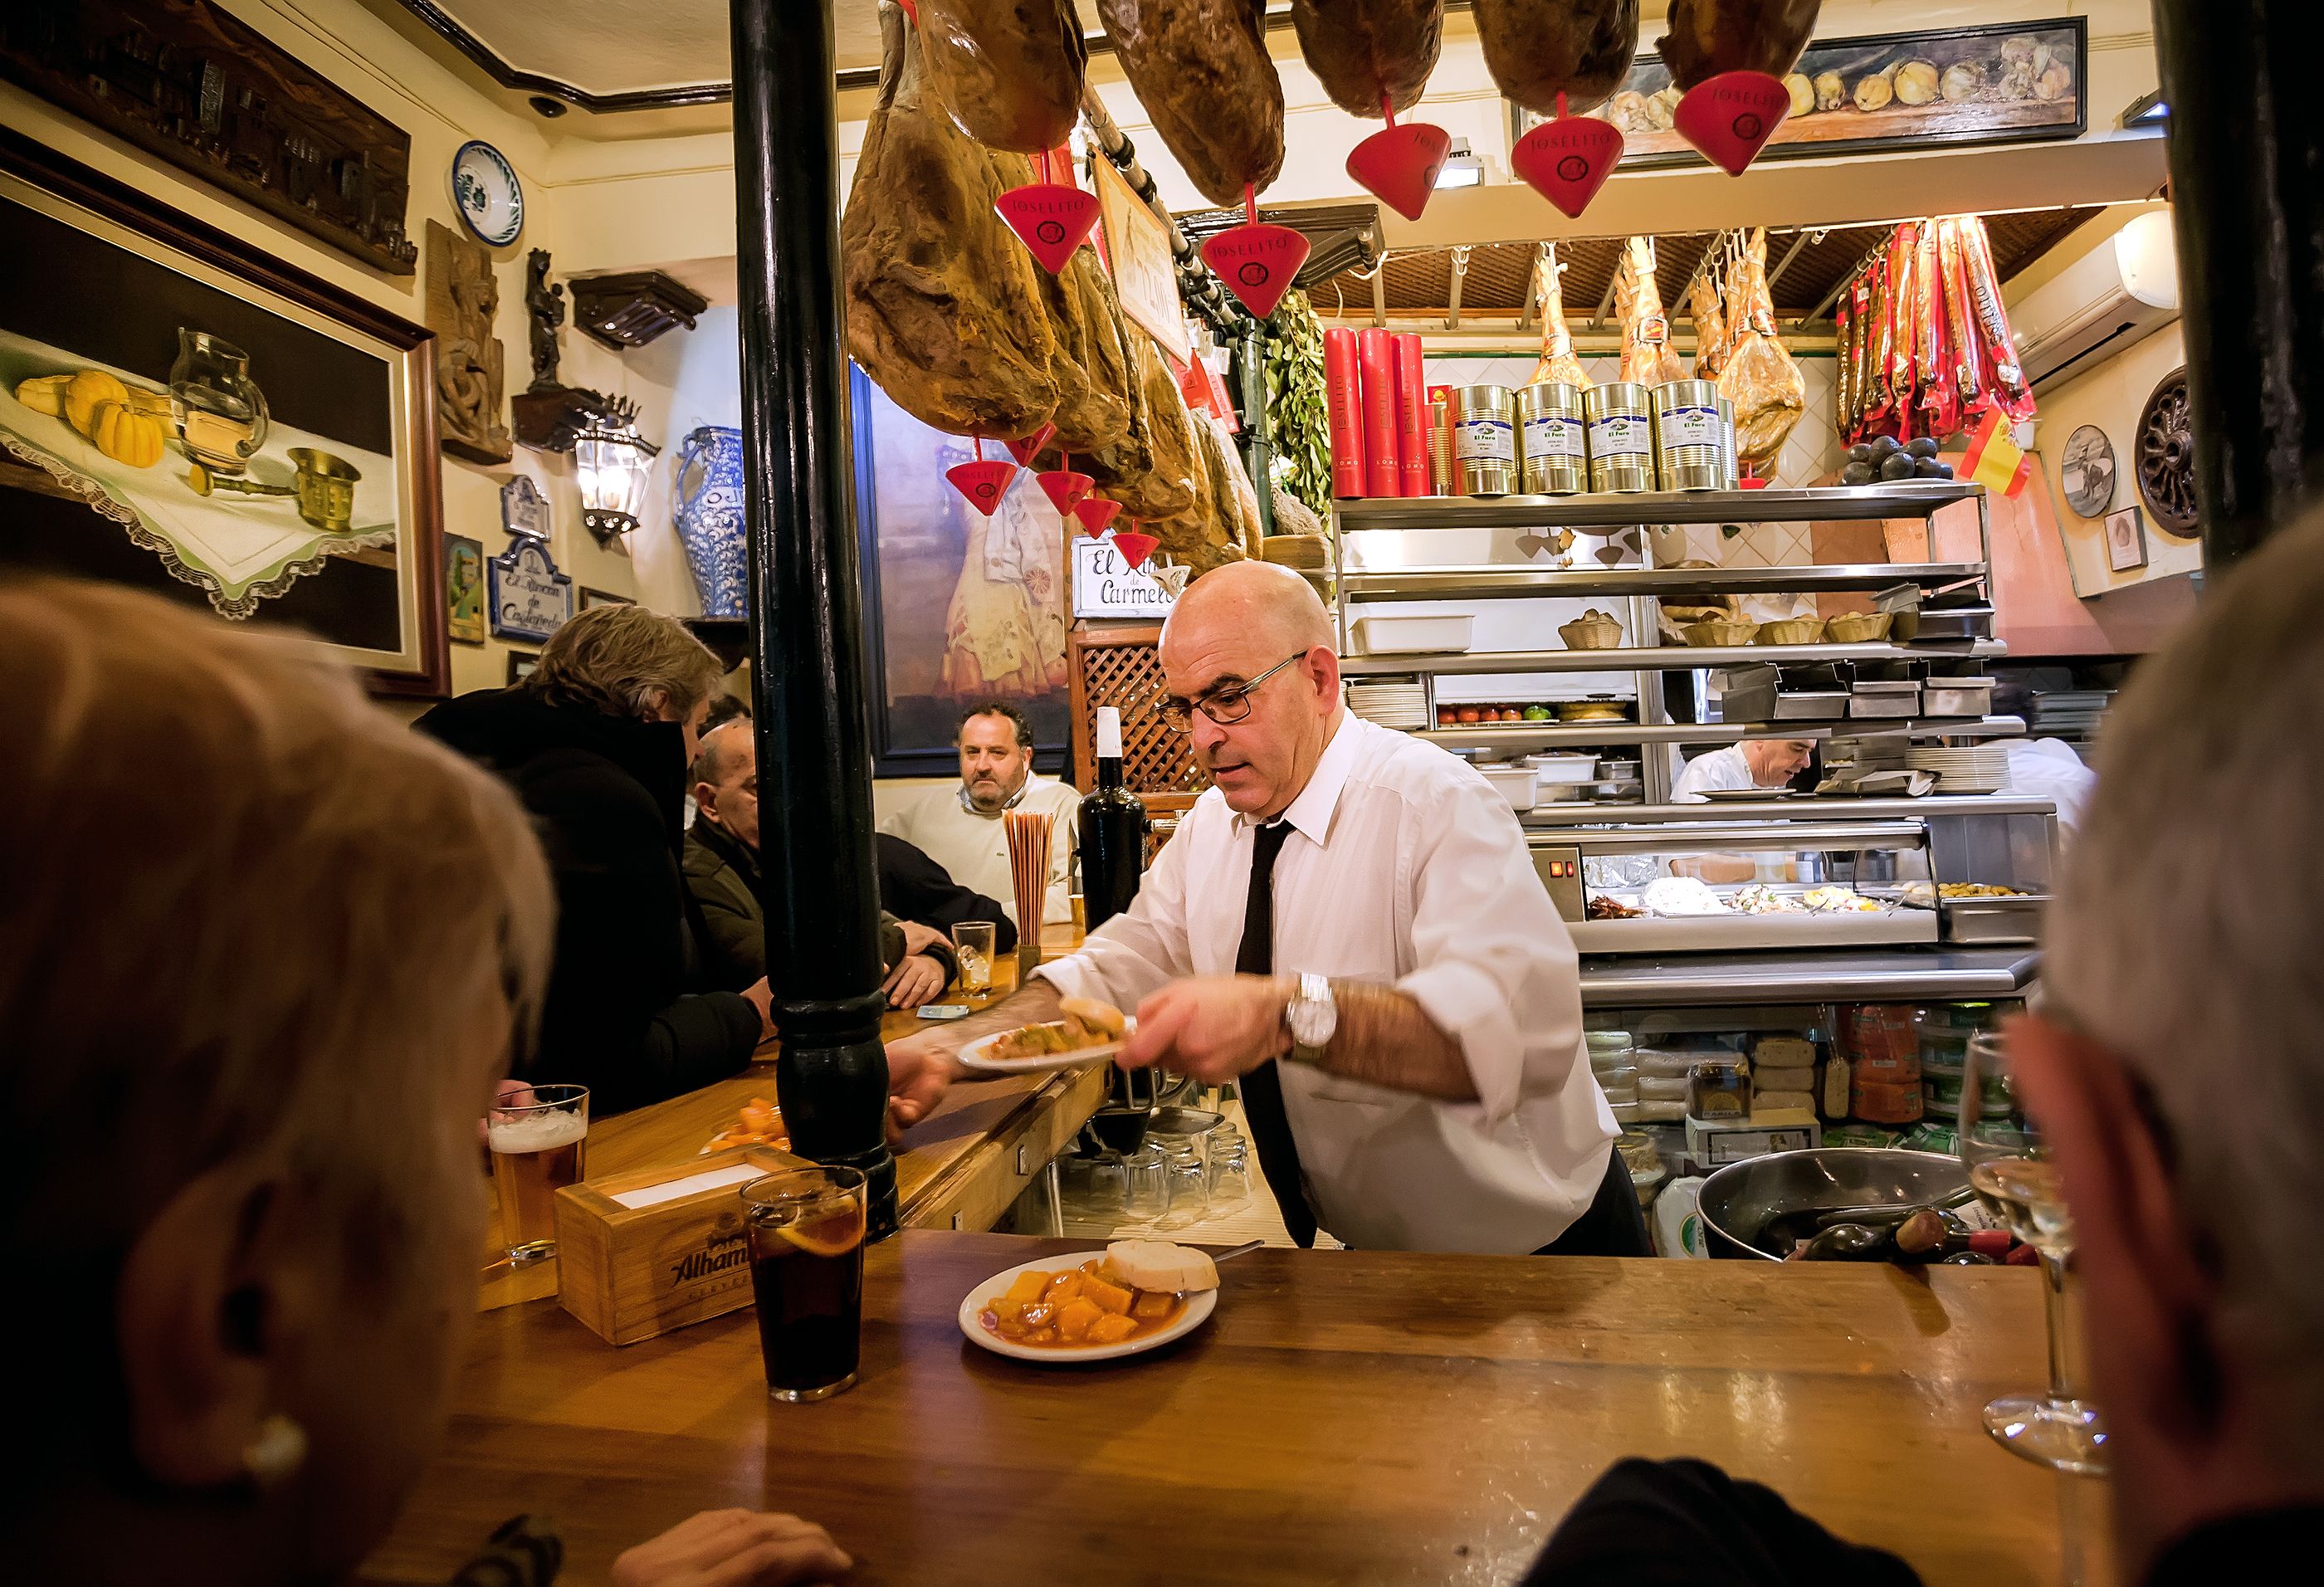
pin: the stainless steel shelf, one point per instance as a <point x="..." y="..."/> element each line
<point x="1819" y="810"/>
<point x="1487" y="583"/>
<point x="1871" y="975"/>
<point x="1525" y="735"/>
<point x="1657" y="658"/>
<point x="1917" y="500"/>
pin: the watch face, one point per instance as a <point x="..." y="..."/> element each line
<point x="1312" y="1023"/>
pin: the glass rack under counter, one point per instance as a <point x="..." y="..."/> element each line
<point x="1780" y="874"/>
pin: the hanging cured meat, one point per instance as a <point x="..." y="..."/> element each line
<point x="1202" y="70"/>
<point x="1092" y="383"/>
<point x="944" y="307"/>
<point x="1760" y="379"/>
<point x="1709" y="326"/>
<point x="1009" y="72"/>
<point x="1647" y="355"/>
<point x="1540" y="50"/>
<point x="1152" y="473"/>
<point x="1366" y="52"/>
<point x="1707" y="37"/>
<point x="1557" y="360"/>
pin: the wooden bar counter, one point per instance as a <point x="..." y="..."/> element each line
<point x="958" y="1168"/>
<point x="1343" y="1417"/>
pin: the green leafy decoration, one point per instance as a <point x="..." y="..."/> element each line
<point x="1298" y="404"/>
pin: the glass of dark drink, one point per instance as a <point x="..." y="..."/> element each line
<point x="805" y="1229"/>
<point x="538" y="1135"/>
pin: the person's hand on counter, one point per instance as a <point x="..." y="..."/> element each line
<point x="919" y="938"/>
<point x="734" y="1548"/>
<point x="921" y="1066"/>
<point x="1213" y="1027"/>
<point x="915" y="980"/>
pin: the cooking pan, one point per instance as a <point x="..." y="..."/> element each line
<point x="1741" y="1199"/>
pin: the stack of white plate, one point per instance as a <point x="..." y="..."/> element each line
<point x="1401" y="705"/>
<point x="1974" y="768"/>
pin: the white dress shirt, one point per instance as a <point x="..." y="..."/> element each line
<point x="974" y="848"/>
<point x="1717" y="769"/>
<point x="1406" y="869"/>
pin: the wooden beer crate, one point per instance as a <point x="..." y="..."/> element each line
<point x="637" y="1257"/>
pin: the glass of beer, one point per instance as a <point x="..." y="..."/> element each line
<point x="805" y="1229"/>
<point x="537" y="1134"/>
<point x="972" y="942"/>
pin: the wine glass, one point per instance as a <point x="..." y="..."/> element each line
<point x="2011" y="1171"/>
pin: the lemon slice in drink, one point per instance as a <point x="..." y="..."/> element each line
<point x="831" y="1236"/>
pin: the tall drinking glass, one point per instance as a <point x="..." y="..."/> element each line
<point x="972" y="942"/>
<point x="806" y="1231"/>
<point x="538" y="1135"/>
<point x="2013" y="1176"/>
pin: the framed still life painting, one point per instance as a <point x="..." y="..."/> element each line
<point x="182" y="413"/>
<point x="958" y="608"/>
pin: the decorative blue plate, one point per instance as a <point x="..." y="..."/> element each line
<point x="485" y="191"/>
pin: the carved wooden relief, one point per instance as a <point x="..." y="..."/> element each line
<point x="463" y="298"/>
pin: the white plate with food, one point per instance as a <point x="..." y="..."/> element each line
<point x="1136" y="1295"/>
<point x="1088" y="1032"/>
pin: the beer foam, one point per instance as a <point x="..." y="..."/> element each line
<point x="536" y="1132"/>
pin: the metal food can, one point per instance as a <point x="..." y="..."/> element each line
<point x="1691" y="451"/>
<point x="1440" y="441"/>
<point x="1730" y="471"/>
<point x="1484" y="441"/>
<point x="1621" y="436"/>
<point x="1551" y="427"/>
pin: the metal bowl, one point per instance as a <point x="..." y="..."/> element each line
<point x="1741" y="1199"/>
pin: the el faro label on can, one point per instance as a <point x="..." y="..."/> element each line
<point x="1553" y="436"/>
<point x="1691" y="426"/>
<point x="1484" y="440"/>
<point x="1620" y="435"/>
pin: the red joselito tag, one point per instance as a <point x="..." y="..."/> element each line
<point x="1257" y="260"/>
<point x="1731" y="116"/>
<point x="1568" y="160"/>
<point x="1134" y="546"/>
<point x="983" y="482"/>
<point x="1094" y="513"/>
<point x="1051" y="218"/>
<point x="1030" y="448"/>
<point x="1398" y="165"/>
<point x="1064" y="487"/>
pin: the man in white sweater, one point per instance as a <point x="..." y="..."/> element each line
<point x="961" y="829"/>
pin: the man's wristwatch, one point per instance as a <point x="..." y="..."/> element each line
<point x="1312" y="1017"/>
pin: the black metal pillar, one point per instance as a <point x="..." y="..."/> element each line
<point x="2246" y="150"/>
<point x="815" y="766"/>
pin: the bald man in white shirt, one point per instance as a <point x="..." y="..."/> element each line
<point x="1349" y="924"/>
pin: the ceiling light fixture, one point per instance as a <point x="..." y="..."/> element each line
<point x="1462" y="169"/>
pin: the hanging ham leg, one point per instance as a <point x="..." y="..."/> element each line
<point x="1009" y="72"/>
<point x="1760" y="379"/>
<point x="1707" y="37"/>
<point x="1557" y="360"/>
<point x="1709" y="326"/>
<point x="1647" y="355"/>
<point x="1538" y="49"/>
<point x="1368" y="51"/>
<point x="1202" y="70"/>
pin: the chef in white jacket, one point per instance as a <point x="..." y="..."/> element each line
<point x="1755" y="763"/>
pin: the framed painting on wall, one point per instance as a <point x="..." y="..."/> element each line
<point x="463" y="589"/>
<point x="182" y="413"/>
<point x="1137" y="253"/>
<point x="958" y="608"/>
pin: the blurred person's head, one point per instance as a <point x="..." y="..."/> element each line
<point x="2177" y="1066"/>
<point x="264" y="952"/>
<point x="726" y="781"/>
<point x="628" y="662"/>
<point x="996" y="754"/>
<point x="1775" y="761"/>
<point x="1252" y="636"/>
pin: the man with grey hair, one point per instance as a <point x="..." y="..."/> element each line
<point x="1348" y="925"/>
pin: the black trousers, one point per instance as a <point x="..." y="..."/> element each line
<point x="1612" y="1225"/>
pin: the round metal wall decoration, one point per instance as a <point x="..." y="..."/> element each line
<point x="2087" y="474"/>
<point x="485" y="191"/>
<point x="2166" y="457"/>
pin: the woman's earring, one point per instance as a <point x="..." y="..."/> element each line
<point x="275" y="1455"/>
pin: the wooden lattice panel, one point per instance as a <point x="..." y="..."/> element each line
<point x="1122" y="666"/>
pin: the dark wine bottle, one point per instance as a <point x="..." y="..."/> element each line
<point x="1112" y="830"/>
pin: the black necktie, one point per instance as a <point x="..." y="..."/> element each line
<point x="1262" y="1088"/>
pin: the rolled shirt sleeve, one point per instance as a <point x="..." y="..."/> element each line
<point x="1494" y="966"/>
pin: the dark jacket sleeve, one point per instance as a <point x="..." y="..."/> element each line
<point x="733" y="931"/>
<point x="915" y="887"/>
<point x="891" y="948"/>
<point x="618" y="1018"/>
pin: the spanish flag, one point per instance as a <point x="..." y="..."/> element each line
<point x="1992" y="459"/>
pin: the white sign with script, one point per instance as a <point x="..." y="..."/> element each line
<point x="1105" y="585"/>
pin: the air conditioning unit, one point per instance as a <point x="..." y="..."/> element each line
<point x="2121" y="291"/>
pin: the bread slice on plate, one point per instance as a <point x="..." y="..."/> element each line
<point x="1157" y="1264"/>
